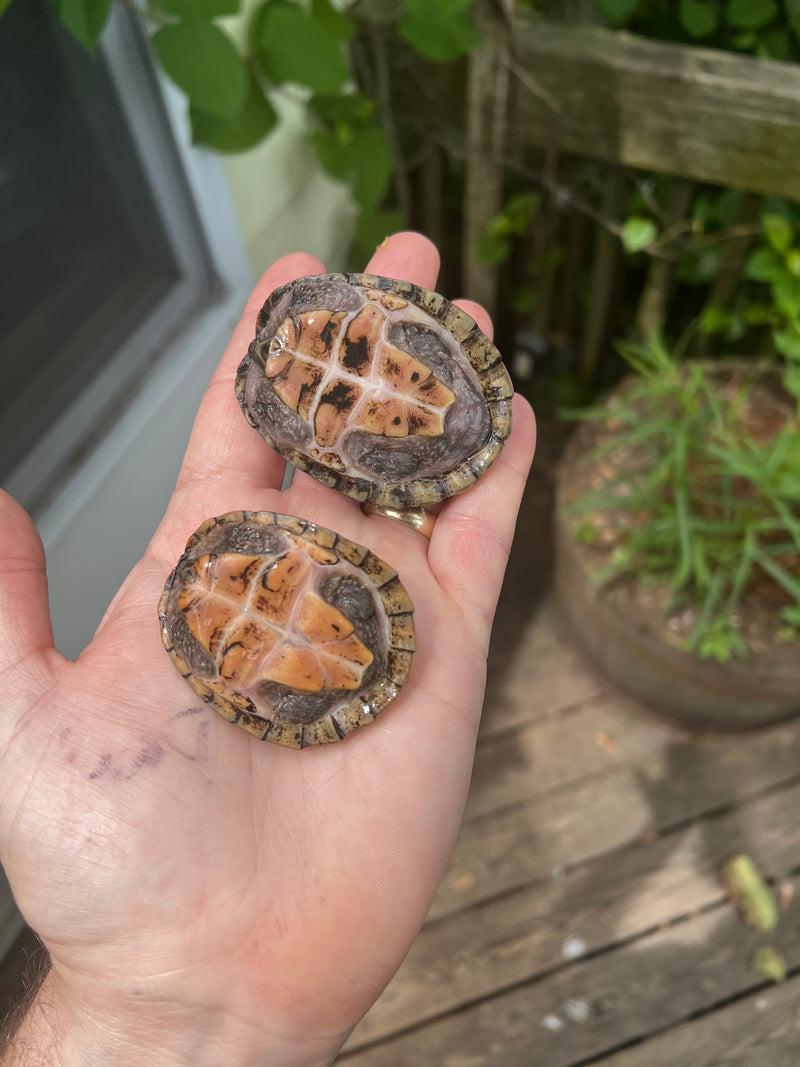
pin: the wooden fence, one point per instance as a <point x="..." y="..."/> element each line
<point x="695" y="114"/>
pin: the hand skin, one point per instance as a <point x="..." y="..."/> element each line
<point x="207" y="898"/>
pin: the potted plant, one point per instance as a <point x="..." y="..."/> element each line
<point x="678" y="531"/>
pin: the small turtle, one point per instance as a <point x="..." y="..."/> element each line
<point x="378" y="388"/>
<point x="289" y="630"/>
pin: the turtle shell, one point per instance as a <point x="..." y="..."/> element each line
<point x="378" y="388"/>
<point x="288" y="629"/>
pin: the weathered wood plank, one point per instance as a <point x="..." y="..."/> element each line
<point x="487" y="116"/>
<point x="555" y="752"/>
<point x="697" y="113"/>
<point x="510" y="940"/>
<point x="597" y="1005"/>
<point x="534" y="669"/>
<point x="605" y="264"/>
<point x="762" y="1030"/>
<point x="509" y="848"/>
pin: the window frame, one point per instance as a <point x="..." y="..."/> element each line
<point x="171" y="357"/>
<point x="195" y="207"/>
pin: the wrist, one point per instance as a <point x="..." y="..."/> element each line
<point x="60" y="1031"/>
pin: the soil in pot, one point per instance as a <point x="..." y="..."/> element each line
<point x="632" y="630"/>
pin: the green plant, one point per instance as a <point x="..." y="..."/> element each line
<point x="333" y="60"/>
<point x="700" y="501"/>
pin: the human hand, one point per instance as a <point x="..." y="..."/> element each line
<point x="206" y="898"/>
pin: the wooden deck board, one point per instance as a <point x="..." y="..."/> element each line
<point x="600" y="1004"/>
<point x="586" y="875"/>
<point x="582" y="920"/>
<point x="504" y="849"/>
<point x="545" y="756"/>
<point x="619" y="896"/>
<point x="762" y="1030"/>
<point x="534" y="671"/>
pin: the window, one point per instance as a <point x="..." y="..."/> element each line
<point x="122" y="273"/>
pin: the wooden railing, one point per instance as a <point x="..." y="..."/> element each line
<point x="698" y="115"/>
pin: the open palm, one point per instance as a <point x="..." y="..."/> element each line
<point x="217" y="898"/>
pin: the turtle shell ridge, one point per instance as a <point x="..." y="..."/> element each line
<point x="286" y="628"/>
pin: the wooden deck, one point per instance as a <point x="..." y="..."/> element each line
<point x="582" y="919"/>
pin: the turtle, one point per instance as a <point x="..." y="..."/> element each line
<point x="377" y="387"/>
<point x="286" y="628"/>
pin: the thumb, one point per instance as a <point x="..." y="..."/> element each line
<point x="25" y="627"/>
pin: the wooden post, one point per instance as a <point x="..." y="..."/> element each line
<point x="604" y="264"/>
<point x="731" y="261"/>
<point x="487" y="104"/>
<point x="653" y="302"/>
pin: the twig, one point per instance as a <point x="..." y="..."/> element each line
<point x="384" y="94"/>
<point x="533" y="87"/>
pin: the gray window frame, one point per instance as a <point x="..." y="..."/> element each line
<point x="117" y="490"/>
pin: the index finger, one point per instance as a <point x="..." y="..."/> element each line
<point x="472" y="537"/>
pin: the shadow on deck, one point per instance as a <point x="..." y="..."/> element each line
<point x="582" y="919"/>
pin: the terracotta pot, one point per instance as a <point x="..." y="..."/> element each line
<point x="630" y="646"/>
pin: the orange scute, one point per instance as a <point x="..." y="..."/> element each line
<point x="297" y="386"/>
<point x="297" y="667"/>
<point x="280" y="586"/>
<point x="261" y="621"/>
<point x="208" y="617"/>
<point x="321" y="621"/>
<point x="385" y="418"/>
<point x="361" y="337"/>
<point x="316" y="330"/>
<point x="400" y="395"/>
<point x="247" y="644"/>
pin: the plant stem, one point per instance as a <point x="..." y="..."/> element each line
<point x="384" y="94"/>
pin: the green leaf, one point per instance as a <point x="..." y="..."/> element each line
<point x="791" y="380"/>
<point x="201" y="9"/>
<point x="787" y="342"/>
<point x="617" y="11"/>
<point x="337" y="24"/>
<point x="4" y="4"/>
<point x="699" y="17"/>
<point x="337" y="111"/>
<point x="750" y="893"/>
<point x="520" y="211"/>
<point x="786" y="291"/>
<point x="764" y="265"/>
<point x="793" y="261"/>
<point x="442" y="9"/>
<point x="637" y="233"/>
<point x="494" y="245"/>
<point x="769" y="963"/>
<point x="778" y="231"/>
<point x="439" y="37"/>
<point x="775" y="44"/>
<point x="793" y="15"/>
<point x="779" y="575"/>
<point x="297" y="47"/>
<point x="362" y="162"/>
<point x="755" y="314"/>
<point x="373" y="226"/>
<point x="204" y="62"/>
<point x="714" y="320"/>
<point x="247" y="129"/>
<point x="84" y="19"/>
<point x="751" y="14"/>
